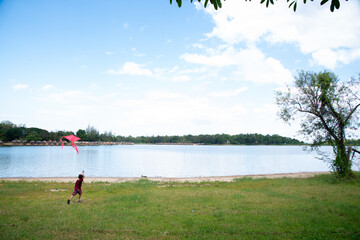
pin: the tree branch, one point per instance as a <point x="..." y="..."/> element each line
<point x="351" y="113"/>
<point x="322" y="121"/>
<point x="355" y="150"/>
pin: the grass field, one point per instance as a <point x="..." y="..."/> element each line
<point x="312" y="208"/>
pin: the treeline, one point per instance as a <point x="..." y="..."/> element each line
<point x="243" y="139"/>
<point x="10" y="132"/>
<point x="354" y="142"/>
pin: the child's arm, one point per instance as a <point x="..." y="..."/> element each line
<point x="83" y="174"/>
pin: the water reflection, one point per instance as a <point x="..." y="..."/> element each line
<point x="155" y="160"/>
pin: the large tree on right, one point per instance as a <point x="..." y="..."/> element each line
<point x="328" y="111"/>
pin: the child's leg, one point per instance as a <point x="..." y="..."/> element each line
<point x="71" y="197"/>
<point x="79" y="197"/>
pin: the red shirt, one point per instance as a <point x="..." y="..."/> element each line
<point x="78" y="184"/>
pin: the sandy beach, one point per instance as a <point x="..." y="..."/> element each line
<point x="165" y="179"/>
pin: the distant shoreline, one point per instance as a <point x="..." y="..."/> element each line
<point x="56" y="143"/>
<point x="165" y="179"/>
<point x="9" y="144"/>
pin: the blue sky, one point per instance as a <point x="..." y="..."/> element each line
<point x="151" y="68"/>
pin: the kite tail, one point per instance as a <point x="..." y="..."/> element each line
<point x="62" y="143"/>
<point x="75" y="147"/>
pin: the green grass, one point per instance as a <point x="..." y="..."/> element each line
<point x="313" y="208"/>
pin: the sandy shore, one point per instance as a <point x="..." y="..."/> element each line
<point x="165" y="179"/>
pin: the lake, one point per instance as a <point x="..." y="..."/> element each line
<point x="156" y="161"/>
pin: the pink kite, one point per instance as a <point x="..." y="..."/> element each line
<point x="73" y="139"/>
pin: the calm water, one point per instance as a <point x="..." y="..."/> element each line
<point x="155" y="160"/>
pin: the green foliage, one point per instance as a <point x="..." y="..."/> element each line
<point x="81" y="134"/>
<point x="5" y="130"/>
<point x="9" y="132"/>
<point x="328" y="109"/>
<point x="243" y="139"/>
<point x="216" y="3"/>
<point x="33" y="136"/>
<point x="314" y="208"/>
<point x="92" y="134"/>
<point x="107" y="137"/>
<point x="293" y="3"/>
<point x="353" y="142"/>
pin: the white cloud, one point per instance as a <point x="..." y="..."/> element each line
<point x="218" y="59"/>
<point x="180" y="78"/>
<point x="247" y="63"/>
<point x="197" y="45"/>
<point x="47" y="87"/>
<point x="93" y="86"/>
<point x="266" y="109"/>
<point x="228" y="93"/>
<point x="158" y="111"/>
<point x="125" y="25"/>
<point x="331" y="58"/>
<point x="72" y="98"/>
<point x="314" y="29"/>
<point x="109" y="53"/>
<point x="20" y="86"/>
<point x="131" y="68"/>
<point x="137" y="53"/>
<point x="172" y="113"/>
<point x="193" y="70"/>
<point x="174" y="69"/>
<point x="164" y="95"/>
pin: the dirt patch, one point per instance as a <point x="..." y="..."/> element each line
<point x="57" y="190"/>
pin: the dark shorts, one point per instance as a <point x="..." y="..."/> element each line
<point x="77" y="191"/>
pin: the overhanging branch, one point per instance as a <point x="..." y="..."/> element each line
<point x="355" y="150"/>
<point x="351" y="113"/>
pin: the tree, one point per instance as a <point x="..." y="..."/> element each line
<point x="292" y="3"/>
<point x="107" y="137"/>
<point x="328" y="108"/>
<point x="92" y="134"/>
<point x="81" y="134"/>
<point x="33" y="136"/>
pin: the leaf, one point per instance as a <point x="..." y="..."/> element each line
<point x="262" y="1"/>
<point x="304" y="1"/>
<point x="291" y="4"/>
<point x="272" y="2"/>
<point x="332" y="7"/>
<point x="323" y="2"/>
<point x="214" y="2"/>
<point x="295" y="5"/>
<point x="336" y="3"/>
<point x="267" y="3"/>
<point x="206" y="2"/>
<point x="178" y="2"/>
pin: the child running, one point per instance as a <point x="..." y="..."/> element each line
<point x="77" y="188"/>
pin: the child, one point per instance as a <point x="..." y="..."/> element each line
<point x="77" y="188"/>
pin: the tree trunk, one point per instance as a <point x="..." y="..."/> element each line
<point x="342" y="163"/>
